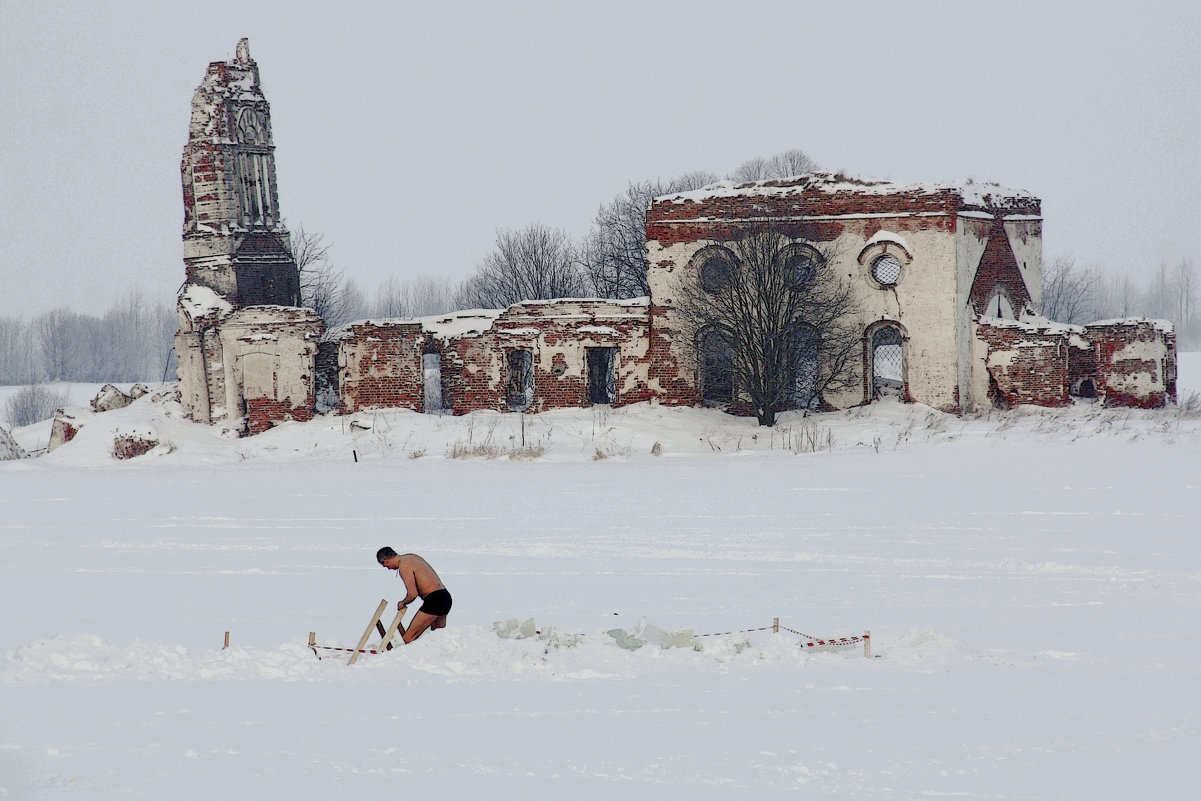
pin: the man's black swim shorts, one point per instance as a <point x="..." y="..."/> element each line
<point x="437" y="603"/>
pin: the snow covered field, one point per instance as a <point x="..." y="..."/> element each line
<point x="1031" y="580"/>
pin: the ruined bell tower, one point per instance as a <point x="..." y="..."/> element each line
<point x="245" y="346"/>
<point x="234" y="240"/>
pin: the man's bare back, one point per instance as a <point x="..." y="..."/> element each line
<point x="419" y="578"/>
<point x="422" y="582"/>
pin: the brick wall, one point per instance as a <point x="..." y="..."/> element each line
<point x="1028" y="364"/>
<point x="1135" y="362"/>
<point x="380" y="363"/>
<point x="799" y="204"/>
<point x="379" y="366"/>
<point x="263" y="413"/>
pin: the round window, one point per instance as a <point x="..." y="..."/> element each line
<point x="886" y="270"/>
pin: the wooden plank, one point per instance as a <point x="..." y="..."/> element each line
<point x="395" y="627"/>
<point x="379" y="626"/>
<point x="379" y="610"/>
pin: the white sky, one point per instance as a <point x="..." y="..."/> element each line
<point x="408" y="135"/>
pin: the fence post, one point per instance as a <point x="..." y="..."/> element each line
<point x="867" y="644"/>
<point x="775" y="625"/>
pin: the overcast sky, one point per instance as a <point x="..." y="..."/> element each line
<point x="408" y="133"/>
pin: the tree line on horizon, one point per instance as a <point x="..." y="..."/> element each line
<point x="132" y="341"/>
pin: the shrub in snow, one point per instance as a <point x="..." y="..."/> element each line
<point x="33" y="404"/>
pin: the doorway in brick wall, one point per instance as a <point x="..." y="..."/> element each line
<point x="602" y="376"/>
<point x="519" y="383"/>
<point x="431" y="372"/>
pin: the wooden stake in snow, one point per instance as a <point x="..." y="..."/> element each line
<point x="379" y="610"/>
<point x="226" y="641"/>
<point x="394" y="628"/>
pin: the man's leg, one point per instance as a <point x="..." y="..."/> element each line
<point x="421" y="621"/>
<point x="440" y="623"/>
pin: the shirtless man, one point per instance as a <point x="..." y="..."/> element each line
<point x="420" y="582"/>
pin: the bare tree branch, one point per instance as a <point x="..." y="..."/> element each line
<point x="782" y="165"/>
<point x="1069" y="293"/>
<point x="781" y="320"/>
<point x="614" y="252"/>
<point x="535" y="263"/>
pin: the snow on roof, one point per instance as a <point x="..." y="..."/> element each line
<point x="639" y="301"/>
<point x="199" y="301"/>
<point x="971" y="192"/>
<point x="473" y="322"/>
<point x="1165" y="326"/>
<point x="460" y="324"/>
<point x="1033" y="322"/>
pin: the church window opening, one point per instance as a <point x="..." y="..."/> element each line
<point x="716" y="368"/>
<point x="431" y="370"/>
<point x="519" y="387"/>
<point x="717" y="271"/>
<point x="888" y="366"/>
<point x="602" y="378"/>
<point x="800" y="265"/>
<point x="886" y="270"/>
<point x="999" y="305"/>
<point x="804" y="365"/>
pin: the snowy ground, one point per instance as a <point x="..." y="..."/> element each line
<point x="1031" y="581"/>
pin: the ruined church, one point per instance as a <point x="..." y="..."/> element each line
<point x="946" y="278"/>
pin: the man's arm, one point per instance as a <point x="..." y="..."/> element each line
<point x="410" y="580"/>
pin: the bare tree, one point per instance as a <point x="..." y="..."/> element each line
<point x="1185" y="288"/>
<point x="1069" y="293"/>
<point x="62" y="344"/>
<point x="391" y="299"/>
<point x="769" y="321"/>
<point x="535" y="263"/>
<point x="349" y="303"/>
<point x="1159" y="298"/>
<point x="614" y="252"/>
<point x="782" y="165"/>
<point x="17" y="358"/>
<point x="420" y="297"/>
<point x="429" y="295"/>
<point x="321" y="283"/>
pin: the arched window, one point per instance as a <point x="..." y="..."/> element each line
<point x="888" y="362"/>
<point x="716" y="367"/>
<point x="999" y="305"/>
<point x="801" y="264"/>
<point x="716" y="268"/>
<point x="804" y="365"/>
<point x="254" y="169"/>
